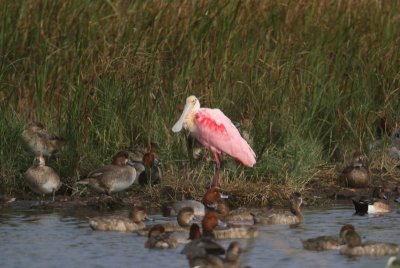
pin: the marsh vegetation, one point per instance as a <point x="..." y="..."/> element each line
<point x="309" y="80"/>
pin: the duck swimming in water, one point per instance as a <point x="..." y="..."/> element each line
<point x="121" y="224"/>
<point x="184" y="220"/>
<point x="272" y="217"/>
<point x="231" y="259"/>
<point x="355" y="247"/>
<point x="327" y="242"/>
<point x="201" y="246"/>
<point x="376" y="204"/>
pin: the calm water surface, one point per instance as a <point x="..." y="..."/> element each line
<point x="40" y="238"/>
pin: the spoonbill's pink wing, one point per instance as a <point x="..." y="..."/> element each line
<point x="216" y="131"/>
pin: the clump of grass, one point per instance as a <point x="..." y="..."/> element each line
<point x="312" y="77"/>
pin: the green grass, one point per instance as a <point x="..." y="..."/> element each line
<point x="312" y="77"/>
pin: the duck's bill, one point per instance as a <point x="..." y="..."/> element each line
<point x="179" y="124"/>
<point x="222" y="224"/>
<point x="157" y="162"/>
<point x="131" y="162"/>
<point x="224" y="196"/>
<point x="147" y="218"/>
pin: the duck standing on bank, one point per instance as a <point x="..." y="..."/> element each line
<point x="42" y="179"/>
<point x="112" y="178"/>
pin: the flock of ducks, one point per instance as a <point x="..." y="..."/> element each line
<point x="200" y="224"/>
<point x="108" y="179"/>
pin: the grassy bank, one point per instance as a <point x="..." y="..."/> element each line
<point x="313" y="77"/>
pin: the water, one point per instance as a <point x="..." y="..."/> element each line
<point x="63" y="238"/>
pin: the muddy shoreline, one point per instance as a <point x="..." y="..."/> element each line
<point x="321" y="196"/>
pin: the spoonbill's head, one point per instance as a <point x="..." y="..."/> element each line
<point x="192" y="105"/>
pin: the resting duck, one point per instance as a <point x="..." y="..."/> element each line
<point x="272" y="217"/>
<point x="116" y="177"/>
<point x="327" y="242"/>
<point x="39" y="139"/>
<point x="121" y="224"/>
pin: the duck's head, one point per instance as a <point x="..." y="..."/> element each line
<point x="192" y="105"/>
<point x="352" y="238"/>
<point x="210" y="221"/>
<point x="295" y="202"/>
<point x="185" y="216"/>
<point x="194" y="232"/>
<point x="233" y="252"/>
<point x="34" y="126"/>
<point x="156" y="231"/>
<point x="39" y="159"/>
<point x="122" y="159"/>
<point x="149" y="159"/>
<point x="138" y="214"/>
<point x="359" y="160"/>
<point x="212" y="196"/>
<point x="346" y="228"/>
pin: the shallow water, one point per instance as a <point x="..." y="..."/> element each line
<point x="41" y="238"/>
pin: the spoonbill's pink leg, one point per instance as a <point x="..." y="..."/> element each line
<point x="215" y="179"/>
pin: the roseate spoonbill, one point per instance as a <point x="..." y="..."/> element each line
<point x="39" y="139"/>
<point x="215" y="131"/>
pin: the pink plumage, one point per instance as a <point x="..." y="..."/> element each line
<point x="215" y="131"/>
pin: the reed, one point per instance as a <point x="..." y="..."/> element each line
<point x="311" y="77"/>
